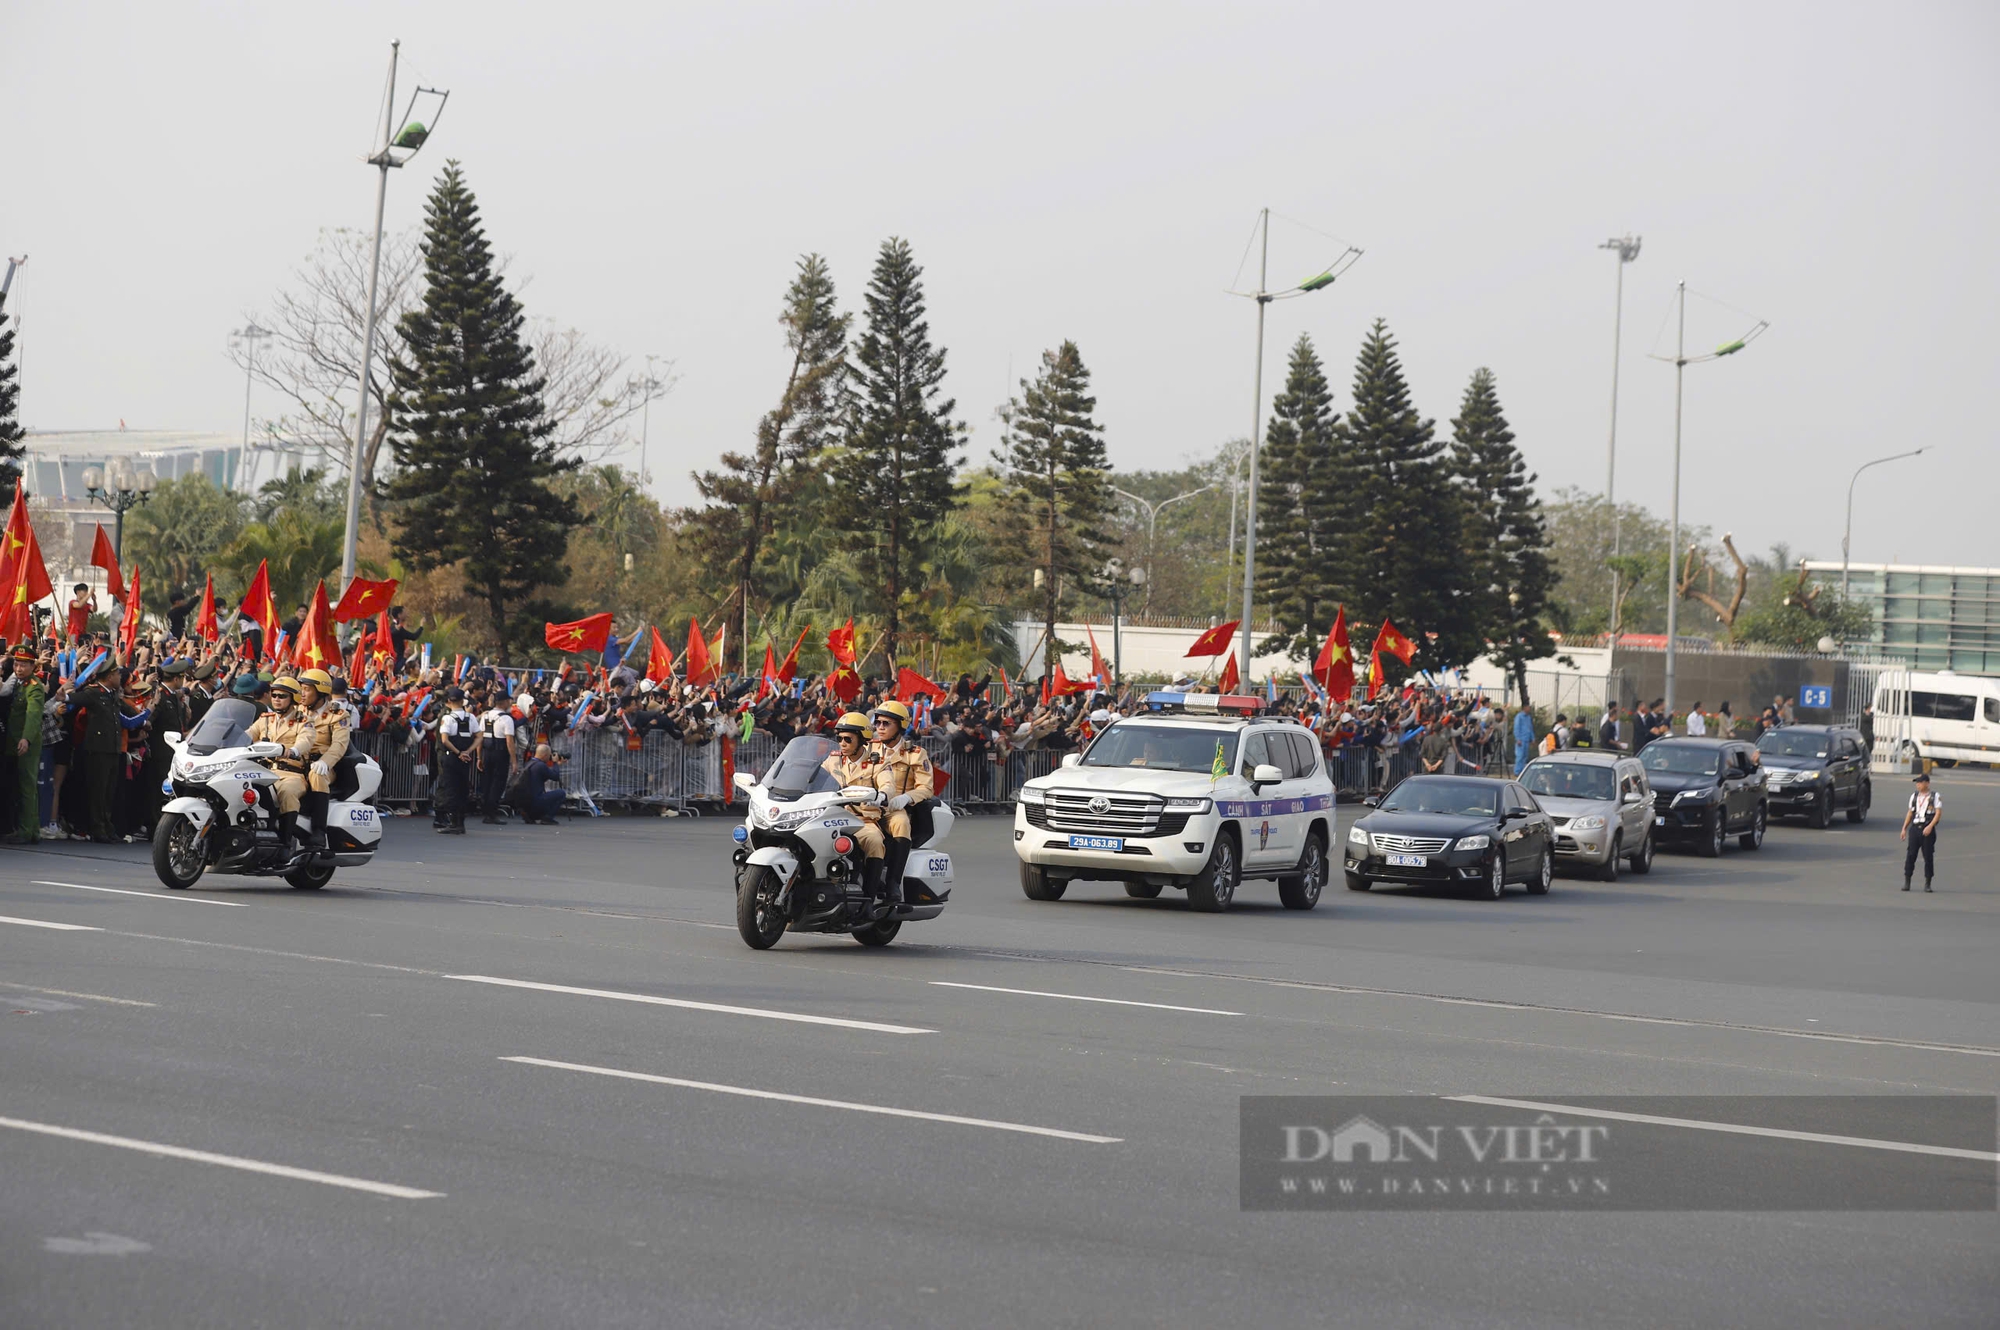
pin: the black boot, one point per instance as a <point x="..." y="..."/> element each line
<point x="1906" y="882"/>
<point x="288" y="831"/>
<point x="892" y="869"/>
<point x="312" y="808"/>
<point x="1927" y="884"/>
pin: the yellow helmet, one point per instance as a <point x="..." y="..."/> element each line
<point x="286" y="684"/>
<point x="853" y="723"/>
<point x="319" y="679"/>
<point x="896" y="710"/>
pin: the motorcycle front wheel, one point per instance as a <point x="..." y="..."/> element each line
<point x="178" y="857"/>
<point x="757" y="916"/>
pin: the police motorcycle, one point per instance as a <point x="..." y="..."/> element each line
<point x="223" y="813"/>
<point x="799" y="865"/>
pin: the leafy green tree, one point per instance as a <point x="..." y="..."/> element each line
<point x="1057" y="490"/>
<point x="752" y="496"/>
<point x="299" y="547"/>
<point x="894" y="475"/>
<point x="1579" y="527"/>
<point x="1503" y="544"/>
<point x="1303" y="509"/>
<point x="12" y="448"/>
<point x="177" y="536"/>
<point x="306" y="491"/>
<point x="473" y="445"/>
<point x="1796" y="612"/>
<point x="1400" y="559"/>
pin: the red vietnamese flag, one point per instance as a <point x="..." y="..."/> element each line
<point x="363" y="598"/>
<point x="769" y="674"/>
<point x="659" y="658"/>
<point x="128" y="626"/>
<point x="845" y="683"/>
<point x="103" y="556"/>
<point x="1216" y="641"/>
<point x="1063" y="685"/>
<point x="583" y="635"/>
<point x="790" y="669"/>
<point x="841" y="643"/>
<point x="1334" y="670"/>
<point x="700" y="669"/>
<point x="910" y="685"/>
<point x="1230" y="678"/>
<point x="25" y="580"/>
<point x="357" y="665"/>
<point x="14" y="537"/>
<point x="206" y="626"/>
<point x="1393" y="642"/>
<point x="260" y="609"/>
<point x="317" y="644"/>
<point x="1097" y="670"/>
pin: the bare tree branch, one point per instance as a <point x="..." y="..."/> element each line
<point x="1696" y="563"/>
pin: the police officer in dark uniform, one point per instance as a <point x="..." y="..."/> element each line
<point x="1919" y="831"/>
<point x="457" y="733"/>
<point x="99" y="700"/>
<point x="170" y="716"/>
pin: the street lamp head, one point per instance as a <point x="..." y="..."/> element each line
<point x="1729" y="348"/>
<point x="147" y="481"/>
<point x="1627" y="247"/>
<point x="1138" y="576"/>
<point x="413" y="136"/>
<point x="1324" y="279"/>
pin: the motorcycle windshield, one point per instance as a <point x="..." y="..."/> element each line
<point x="227" y="725"/>
<point x="800" y="770"/>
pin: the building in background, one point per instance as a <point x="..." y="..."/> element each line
<point x="1931" y="617"/>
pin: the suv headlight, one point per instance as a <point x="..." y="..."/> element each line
<point x="1190" y="805"/>
<point x="1695" y="796"/>
<point x="1030" y="795"/>
<point x="1473" y="842"/>
<point x="1357" y="836"/>
<point x="1587" y="824"/>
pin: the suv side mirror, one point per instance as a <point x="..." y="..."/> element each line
<point x="1634" y="797"/>
<point x="1370" y="802"/>
<point x="1266" y="774"/>
<point x="1072" y="759"/>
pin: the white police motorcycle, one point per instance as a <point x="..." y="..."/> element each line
<point x="799" y="866"/>
<point x="223" y="811"/>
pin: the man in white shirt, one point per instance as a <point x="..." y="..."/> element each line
<point x="1697" y="724"/>
<point x="1919" y="832"/>
<point x="453" y="753"/>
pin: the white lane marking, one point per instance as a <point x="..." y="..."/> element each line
<point x="95" y="1244"/>
<point x="765" y="1012"/>
<point x="1884" y="1041"/>
<point x="1733" y="1128"/>
<point x="1079" y="997"/>
<point x="224" y="1161"/>
<point x="748" y="1093"/>
<point x="64" y="992"/>
<point x="146" y="895"/>
<point x="44" y="923"/>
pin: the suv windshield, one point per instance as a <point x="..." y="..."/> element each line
<point x="1570" y="780"/>
<point x="799" y="770"/>
<point x="1464" y="798"/>
<point x="1681" y="760"/>
<point x="1162" y="748"/>
<point x="227" y="725"/>
<point x="1791" y="743"/>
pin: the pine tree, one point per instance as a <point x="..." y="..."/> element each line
<point x="1301" y="509"/>
<point x="1505" y="547"/>
<point x="472" y="441"/>
<point x="12" y="449"/>
<point x="1057" y="478"/>
<point x="750" y="497"/>
<point x="1400" y="559"/>
<point x="895" y="473"/>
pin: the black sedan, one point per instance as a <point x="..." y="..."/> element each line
<point x="1457" y="830"/>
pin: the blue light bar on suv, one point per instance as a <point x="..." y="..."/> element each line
<point x="1217" y="702"/>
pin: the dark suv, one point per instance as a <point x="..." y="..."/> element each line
<point x="1705" y="790"/>
<point x="1815" y="769"/>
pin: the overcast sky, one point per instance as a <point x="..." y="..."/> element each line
<point x="1093" y="172"/>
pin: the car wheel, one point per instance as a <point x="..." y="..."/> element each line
<point x="1822" y="812"/>
<point x="1037" y="885"/>
<point x="1302" y="891"/>
<point x="1754" y="838"/>
<point x="1642" y="858"/>
<point x="1609" y="873"/>
<point x="1539" y="884"/>
<point x="1144" y="891"/>
<point x="1859" y="813"/>
<point x="1356" y="882"/>
<point x="1713" y="834"/>
<point x="1214" y="887"/>
<point x="1495" y="885"/>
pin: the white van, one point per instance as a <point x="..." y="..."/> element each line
<point x="1946" y="717"/>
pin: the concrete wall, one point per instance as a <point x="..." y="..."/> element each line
<point x="1160" y="652"/>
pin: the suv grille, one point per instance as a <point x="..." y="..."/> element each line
<point x="1662" y="802"/>
<point x="1122" y="815"/>
<point x="1412" y="844"/>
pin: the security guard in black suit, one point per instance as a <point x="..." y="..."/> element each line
<point x="100" y="701"/>
<point x="457" y="733"/>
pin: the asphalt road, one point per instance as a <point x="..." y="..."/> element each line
<point x="364" y="1126"/>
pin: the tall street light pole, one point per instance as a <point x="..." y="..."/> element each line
<point x="1264" y="296"/>
<point x="651" y="386"/>
<point x="1152" y="520"/>
<point x="1681" y="360"/>
<point x="247" y="337"/>
<point x="410" y="140"/>
<point x="1848" y="531"/>
<point x="1628" y="250"/>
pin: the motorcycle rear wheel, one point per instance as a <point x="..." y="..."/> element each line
<point x="310" y="877"/>
<point x="878" y="934"/>
<point x="757" y="917"/>
<point x="177" y="859"/>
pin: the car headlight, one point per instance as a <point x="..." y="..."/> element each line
<point x="1473" y="842"/>
<point x="1030" y="795"/>
<point x="1587" y="824"/>
<point x="1357" y="836"/>
<point x="1189" y="805"/>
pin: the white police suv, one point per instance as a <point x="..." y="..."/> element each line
<point x="1197" y="792"/>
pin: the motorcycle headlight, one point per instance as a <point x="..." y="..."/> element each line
<point x="1189" y="805"/>
<point x="1356" y="835"/>
<point x="1030" y="795"/>
<point x="788" y="819"/>
<point x="1473" y="842"/>
<point x="1587" y="824"/>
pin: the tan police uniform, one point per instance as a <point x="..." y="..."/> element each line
<point x="331" y="737"/>
<point x="903" y="768"/>
<point x="860" y="770"/>
<point x="297" y="732"/>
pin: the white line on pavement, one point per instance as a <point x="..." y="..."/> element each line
<point x="1079" y="997"/>
<point x="146" y="895"/>
<point x="1733" y="1128"/>
<point x="44" y="923"/>
<point x="819" y="1103"/>
<point x="765" y="1012"/>
<point x="64" y="992"/>
<point x="225" y="1161"/>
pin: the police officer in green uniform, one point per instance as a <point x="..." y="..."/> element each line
<point x="24" y="742"/>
